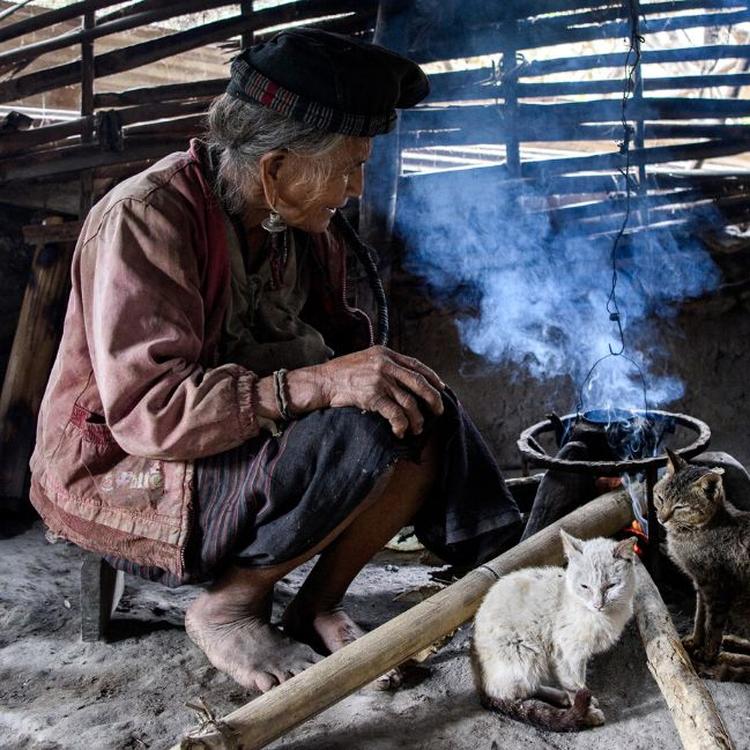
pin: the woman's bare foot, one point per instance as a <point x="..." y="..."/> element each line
<point x="247" y="648"/>
<point x="326" y="631"/>
<point x="330" y="631"/>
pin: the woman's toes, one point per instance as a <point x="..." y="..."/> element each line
<point x="266" y="681"/>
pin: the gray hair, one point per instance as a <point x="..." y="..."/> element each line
<point x="241" y="133"/>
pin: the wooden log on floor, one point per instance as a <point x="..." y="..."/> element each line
<point x="690" y="704"/>
<point x="31" y="357"/>
<point x="275" y="713"/>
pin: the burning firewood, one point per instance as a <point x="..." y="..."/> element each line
<point x="690" y="704"/>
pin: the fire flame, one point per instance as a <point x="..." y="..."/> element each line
<point x="635" y="529"/>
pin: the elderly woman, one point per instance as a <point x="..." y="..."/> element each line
<point x="218" y="411"/>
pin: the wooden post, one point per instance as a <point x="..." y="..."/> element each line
<point x="101" y="589"/>
<point x="87" y="111"/>
<point x="690" y="704"/>
<point x="31" y="356"/>
<point x="378" y="205"/>
<point x="246" y="9"/>
<point x="273" y="714"/>
<point x="509" y="77"/>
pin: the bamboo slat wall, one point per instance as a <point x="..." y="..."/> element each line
<point x="546" y="87"/>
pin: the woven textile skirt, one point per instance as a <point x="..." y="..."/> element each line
<point x="273" y="498"/>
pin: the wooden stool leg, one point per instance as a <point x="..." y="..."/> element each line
<point x="101" y="589"/>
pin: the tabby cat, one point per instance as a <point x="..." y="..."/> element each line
<point x="540" y="625"/>
<point x="709" y="539"/>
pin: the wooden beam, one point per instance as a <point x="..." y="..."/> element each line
<point x="688" y="700"/>
<point x="143" y="53"/>
<point x="31" y="356"/>
<point x="650" y="57"/>
<point x="168" y="92"/>
<point x="76" y="158"/>
<point x="44" y="20"/>
<point x="274" y="713"/>
<point x="30" y="52"/>
<point x="546" y="32"/>
<point x="378" y="202"/>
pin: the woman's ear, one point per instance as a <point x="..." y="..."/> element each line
<point x="270" y="165"/>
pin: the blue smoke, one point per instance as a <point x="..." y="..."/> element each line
<point x="535" y="294"/>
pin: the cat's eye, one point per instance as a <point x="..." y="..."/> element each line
<point x="584" y="586"/>
<point x="609" y="586"/>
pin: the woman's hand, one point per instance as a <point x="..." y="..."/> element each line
<point x="375" y="379"/>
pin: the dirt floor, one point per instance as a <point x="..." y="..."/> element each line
<point x="57" y="692"/>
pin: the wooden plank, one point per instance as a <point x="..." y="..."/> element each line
<point x="44" y="20"/>
<point x="34" y="50"/>
<point x="76" y="158"/>
<point x="549" y="32"/>
<point x="28" y="139"/>
<point x="486" y="90"/>
<point x="322" y="685"/>
<point x="143" y="53"/>
<point x="545" y="117"/>
<point x="31" y="356"/>
<point x="158" y="94"/>
<point x="650" y="57"/>
<point x="43" y="234"/>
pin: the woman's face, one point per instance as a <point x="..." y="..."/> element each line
<point x="310" y="207"/>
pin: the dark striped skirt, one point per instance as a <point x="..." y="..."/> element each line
<point x="272" y="499"/>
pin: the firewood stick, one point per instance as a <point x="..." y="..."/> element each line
<point x="275" y="713"/>
<point x="690" y="704"/>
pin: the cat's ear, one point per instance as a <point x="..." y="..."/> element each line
<point x="711" y="482"/>
<point x="571" y="545"/>
<point x="625" y="549"/>
<point x="675" y="463"/>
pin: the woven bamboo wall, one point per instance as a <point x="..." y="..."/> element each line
<point x="541" y="102"/>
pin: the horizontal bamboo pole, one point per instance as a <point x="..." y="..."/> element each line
<point x="489" y="90"/>
<point x="28" y="139"/>
<point x="32" y="51"/>
<point x="583" y="12"/>
<point x="44" y="20"/>
<point x="707" y="52"/>
<point x="143" y="53"/>
<point x="492" y="132"/>
<point x="168" y="92"/>
<point x="275" y="713"/>
<point x="690" y="704"/>
<point x="546" y="32"/>
<point x="57" y="162"/>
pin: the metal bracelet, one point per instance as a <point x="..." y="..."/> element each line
<point x="280" y="393"/>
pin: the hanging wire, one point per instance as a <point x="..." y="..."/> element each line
<point x="632" y="66"/>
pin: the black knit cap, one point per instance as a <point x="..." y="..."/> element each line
<point x="333" y="82"/>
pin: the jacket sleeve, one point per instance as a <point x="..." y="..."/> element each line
<point x="144" y="316"/>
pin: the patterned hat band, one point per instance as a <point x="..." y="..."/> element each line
<point x="249" y="84"/>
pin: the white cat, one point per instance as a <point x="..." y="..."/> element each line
<point x="541" y="625"/>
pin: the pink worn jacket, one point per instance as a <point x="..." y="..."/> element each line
<point x="136" y="394"/>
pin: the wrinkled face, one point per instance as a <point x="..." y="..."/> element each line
<point x="688" y="497"/>
<point x="310" y="205"/>
<point x="600" y="573"/>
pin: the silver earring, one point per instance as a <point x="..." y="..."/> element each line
<point x="274" y="223"/>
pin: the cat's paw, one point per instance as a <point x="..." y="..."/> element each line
<point x="690" y="645"/>
<point x="594" y="716"/>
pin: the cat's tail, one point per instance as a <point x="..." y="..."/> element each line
<point x="543" y="714"/>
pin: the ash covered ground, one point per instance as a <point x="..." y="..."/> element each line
<point x="128" y="694"/>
